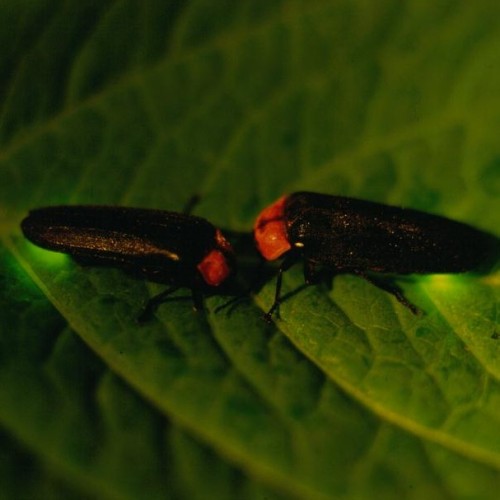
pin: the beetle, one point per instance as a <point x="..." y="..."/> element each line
<point x="177" y="249"/>
<point x="349" y="235"/>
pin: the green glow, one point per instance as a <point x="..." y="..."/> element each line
<point x="493" y="279"/>
<point x="447" y="281"/>
<point x="443" y="281"/>
<point x="49" y="258"/>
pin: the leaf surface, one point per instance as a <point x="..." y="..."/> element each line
<point x="347" y="395"/>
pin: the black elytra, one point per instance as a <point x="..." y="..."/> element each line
<point x="349" y="235"/>
<point x="173" y="248"/>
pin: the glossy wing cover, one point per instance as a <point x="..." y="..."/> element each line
<point x="351" y="234"/>
<point x="153" y="242"/>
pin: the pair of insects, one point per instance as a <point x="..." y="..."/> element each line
<point x="345" y="235"/>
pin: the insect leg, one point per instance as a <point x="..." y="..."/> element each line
<point x="191" y="203"/>
<point x="154" y="302"/>
<point x="285" y="265"/>
<point x="310" y="274"/>
<point x="257" y="279"/>
<point x="197" y="299"/>
<point x="389" y="288"/>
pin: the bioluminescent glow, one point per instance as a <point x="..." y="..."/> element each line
<point x="442" y="281"/>
<point x="49" y="258"/>
<point x="492" y="279"/>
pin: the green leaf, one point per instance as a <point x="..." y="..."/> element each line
<point x="347" y="395"/>
<point x="78" y="420"/>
